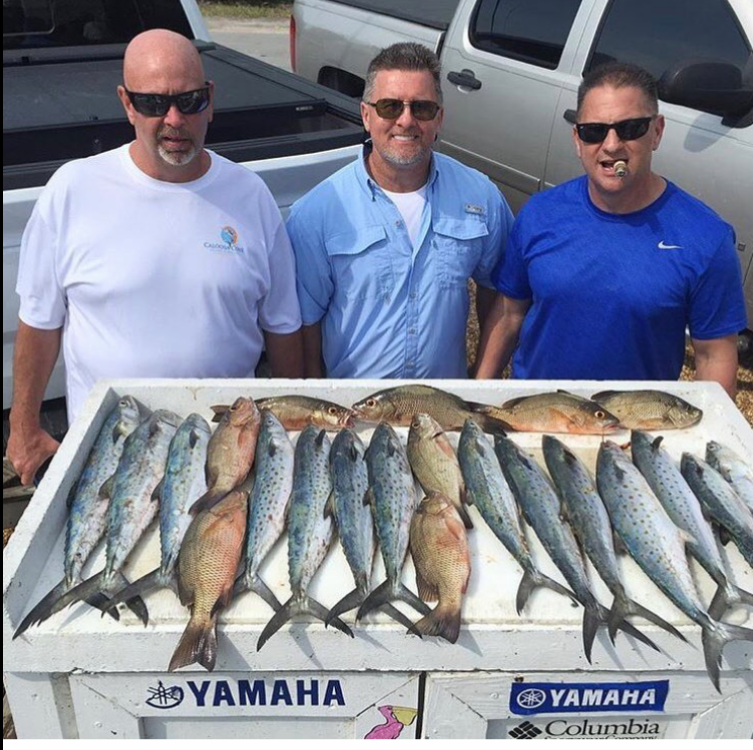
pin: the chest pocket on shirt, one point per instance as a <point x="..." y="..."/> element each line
<point x="458" y="244"/>
<point x="361" y="264"/>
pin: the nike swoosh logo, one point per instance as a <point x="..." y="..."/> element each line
<point x="662" y="246"/>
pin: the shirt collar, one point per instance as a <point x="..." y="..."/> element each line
<point x="370" y="186"/>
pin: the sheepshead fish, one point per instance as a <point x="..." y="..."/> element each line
<point x="555" y="412"/>
<point x="736" y="471"/>
<point x="87" y="518"/>
<point x="590" y="521"/>
<point x="183" y="484"/>
<point x="231" y="451"/>
<point x="541" y="507"/>
<point x="684" y="508"/>
<point x="392" y="496"/>
<point x="298" y="412"/>
<point x="208" y="564"/>
<point x="721" y="501"/>
<point x="397" y="406"/>
<point x="658" y="546"/>
<point x="649" y="410"/>
<point x="310" y="531"/>
<point x="435" y="464"/>
<point x="273" y="486"/>
<point x="439" y="547"/>
<point x="133" y="506"/>
<point x="489" y="491"/>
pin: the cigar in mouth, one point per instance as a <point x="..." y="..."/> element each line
<point x="620" y="169"/>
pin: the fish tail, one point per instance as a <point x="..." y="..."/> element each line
<point x="443" y="622"/>
<point x="716" y="635"/>
<point x="533" y="579"/>
<point x="42" y="610"/>
<point x="464" y="516"/>
<point x="389" y="592"/>
<point x="728" y="595"/>
<point x="254" y="583"/>
<point x="198" y="645"/>
<point x="594" y="615"/>
<point x="134" y="590"/>
<point x="623" y="607"/>
<point x="208" y="500"/>
<point x="483" y="416"/>
<point x="350" y="601"/>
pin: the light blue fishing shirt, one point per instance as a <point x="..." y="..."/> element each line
<point x="387" y="308"/>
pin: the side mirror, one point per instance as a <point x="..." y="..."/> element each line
<point x="708" y="85"/>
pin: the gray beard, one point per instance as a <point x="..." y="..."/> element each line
<point x="177" y="159"/>
<point x="406" y="161"/>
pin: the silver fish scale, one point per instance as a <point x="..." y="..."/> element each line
<point x="586" y="511"/>
<point x="87" y="520"/>
<point x="733" y="469"/>
<point x="394" y="497"/>
<point x="649" y="534"/>
<point x="273" y="485"/>
<point x="140" y="470"/>
<point x="490" y="492"/>
<point x="309" y="530"/>
<point x="350" y="479"/>
<point x="184" y="483"/>
<point x="674" y="493"/>
<point x="542" y="509"/>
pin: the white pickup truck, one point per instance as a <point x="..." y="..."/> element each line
<point x="511" y="72"/>
<point x="61" y="67"/>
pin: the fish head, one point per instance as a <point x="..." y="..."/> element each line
<point x="690" y="464"/>
<point x="589" y="416"/>
<point x="554" y="449"/>
<point x="375" y="408"/>
<point x="425" y="427"/>
<point x="198" y="423"/>
<point x="165" y="419"/>
<point x="333" y="415"/>
<point x="128" y="408"/>
<point x="714" y="451"/>
<point x="243" y="412"/>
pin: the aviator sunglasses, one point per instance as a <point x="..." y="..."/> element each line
<point x="391" y="109"/>
<point x="627" y="130"/>
<point x="158" y="105"/>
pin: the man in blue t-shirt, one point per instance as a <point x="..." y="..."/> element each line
<point x="603" y="274"/>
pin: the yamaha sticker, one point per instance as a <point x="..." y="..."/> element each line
<point x="528" y="698"/>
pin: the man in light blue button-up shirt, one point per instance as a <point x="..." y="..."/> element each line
<point x="385" y="247"/>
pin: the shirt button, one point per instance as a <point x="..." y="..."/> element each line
<point x="413" y="295"/>
<point x="412" y="331"/>
<point x="398" y="223"/>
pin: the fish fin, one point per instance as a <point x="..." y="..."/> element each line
<point x="279" y="618"/>
<point x="105" y="491"/>
<point x="119" y="431"/>
<point x="71" y="496"/>
<point x="254" y="583"/>
<point x="386" y="593"/>
<point x="207" y="501"/>
<point x="620" y="473"/>
<point x="463" y="511"/>
<point x="320" y="438"/>
<point x="492" y="425"/>
<point x="619" y="545"/>
<point x="391" y="450"/>
<point x="193" y="439"/>
<point x="603" y="395"/>
<point x="157" y="493"/>
<point x="368" y="497"/>
<point x="198" y="645"/>
<point x="443" y="622"/>
<point x="350" y="601"/>
<point x="353" y="454"/>
<point x="687" y="539"/>
<point x="727" y="596"/>
<point x="481" y="447"/>
<point x="513" y="402"/>
<point x="272" y="449"/>
<point x="594" y="615"/>
<point x="623" y="607"/>
<point x="427" y="591"/>
<point x="218" y="410"/>
<point x="329" y="506"/>
<point x="724" y="536"/>
<point x="39" y="612"/>
<point x="715" y="636"/>
<point x="134" y="603"/>
<point x="533" y="579"/>
<point x="146" y="583"/>
<point x="656" y="444"/>
<point x="312" y="607"/>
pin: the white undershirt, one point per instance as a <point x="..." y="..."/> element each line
<point x="411" y="207"/>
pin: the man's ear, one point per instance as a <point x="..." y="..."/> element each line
<point x="126" y="102"/>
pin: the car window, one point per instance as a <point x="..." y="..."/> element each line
<point x="657" y="34"/>
<point x="533" y="31"/>
<point x="34" y="24"/>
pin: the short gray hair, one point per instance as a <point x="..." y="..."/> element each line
<point x="408" y="56"/>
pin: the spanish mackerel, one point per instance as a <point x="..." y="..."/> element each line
<point x="541" y="507"/>
<point x="310" y="531"/>
<point x="683" y="507"/>
<point x="87" y="518"/>
<point x="658" y="546"/>
<point x="736" y="471"/>
<point x="489" y="491"/>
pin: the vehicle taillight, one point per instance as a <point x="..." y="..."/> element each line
<point x="292" y="42"/>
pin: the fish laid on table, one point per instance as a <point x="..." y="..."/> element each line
<point x="133" y="506"/>
<point x="658" y="546"/>
<point x="231" y="451"/>
<point x="439" y="547"/>
<point x="721" y="502"/>
<point x="87" y="517"/>
<point x="268" y="503"/>
<point x="207" y="568"/>
<point x="649" y="410"/>
<point x="310" y="531"/>
<point x="736" y="471"/>
<point x="297" y="412"/>
<point x="355" y="525"/>
<point x="392" y="496"/>
<point x="183" y="484"/>
<point x="489" y="491"/>
<point x="555" y="412"/>
<point x="684" y="508"/>
<point x="397" y="406"/>
<point x="590" y="521"/>
<point x="541" y="507"/>
<point x="435" y="464"/>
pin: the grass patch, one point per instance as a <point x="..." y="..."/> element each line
<point x="249" y="11"/>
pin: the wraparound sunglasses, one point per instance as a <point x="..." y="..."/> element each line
<point x="158" y="105"/>
<point x="627" y="130"/>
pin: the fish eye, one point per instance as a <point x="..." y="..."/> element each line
<point x="371" y="403"/>
<point x="600" y="415"/>
<point x="332" y="410"/>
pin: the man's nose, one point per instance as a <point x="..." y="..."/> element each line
<point x="612" y="141"/>
<point x="174" y="117"/>
<point x="406" y="116"/>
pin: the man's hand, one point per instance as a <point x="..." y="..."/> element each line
<point x="716" y="359"/>
<point x="28" y="449"/>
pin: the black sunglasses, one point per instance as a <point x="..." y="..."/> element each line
<point x="158" y="105"/>
<point x="627" y="130"/>
<point x="391" y="109"/>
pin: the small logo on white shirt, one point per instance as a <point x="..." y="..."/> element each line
<point x="471" y="209"/>
<point x="229" y="236"/>
<point x="663" y="246"/>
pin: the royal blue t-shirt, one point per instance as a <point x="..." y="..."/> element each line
<point x="613" y="294"/>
